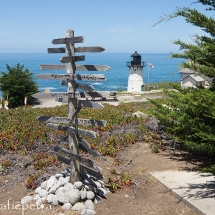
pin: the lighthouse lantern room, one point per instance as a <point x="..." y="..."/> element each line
<point x="135" y="78"/>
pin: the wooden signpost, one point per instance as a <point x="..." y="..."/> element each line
<point x="74" y="138"/>
<point x="78" y="67"/>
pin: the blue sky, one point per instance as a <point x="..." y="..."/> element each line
<point x="120" y="26"/>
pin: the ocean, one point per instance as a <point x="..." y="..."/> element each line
<point x="165" y="68"/>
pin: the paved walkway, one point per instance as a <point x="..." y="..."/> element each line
<point x="196" y="189"/>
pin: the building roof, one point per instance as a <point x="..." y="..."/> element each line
<point x="195" y="77"/>
<point x="135" y="54"/>
<point x="187" y="70"/>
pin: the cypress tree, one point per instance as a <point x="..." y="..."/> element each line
<point x="191" y="118"/>
<point x="17" y="83"/>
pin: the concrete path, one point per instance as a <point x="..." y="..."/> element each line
<point x="196" y="189"/>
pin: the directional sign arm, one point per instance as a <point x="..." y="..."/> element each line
<point x="56" y="50"/>
<point x="98" y="68"/>
<point x="65" y="120"/>
<point x="68" y="59"/>
<point x="68" y="40"/>
<point x="89" y="49"/>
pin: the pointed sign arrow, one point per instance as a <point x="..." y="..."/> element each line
<point x="78" y="49"/>
<point x="68" y="59"/>
<point x="79" y="39"/>
<point x="78" y="67"/>
<point x="78" y="131"/>
<point x="79" y="158"/>
<point x="66" y="120"/>
<point x="83" y="77"/>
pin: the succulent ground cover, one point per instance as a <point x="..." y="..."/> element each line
<point x="25" y="141"/>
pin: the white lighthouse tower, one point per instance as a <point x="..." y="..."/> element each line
<point x="135" y="78"/>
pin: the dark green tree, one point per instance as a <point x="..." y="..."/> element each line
<point x="17" y="83"/>
<point x="191" y="117"/>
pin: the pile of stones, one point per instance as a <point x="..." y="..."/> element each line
<point x="79" y="196"/>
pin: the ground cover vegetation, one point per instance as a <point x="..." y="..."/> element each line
<point x="190" y="115"/>
<point x="16" y="84"/>
<point x="22" y="134"/>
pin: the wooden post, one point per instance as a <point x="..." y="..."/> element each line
<point x="72" y="115"/>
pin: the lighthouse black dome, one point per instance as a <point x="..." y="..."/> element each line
<point x="136" y="60"/>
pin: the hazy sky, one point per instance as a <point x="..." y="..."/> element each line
<point x="121" y="26"/>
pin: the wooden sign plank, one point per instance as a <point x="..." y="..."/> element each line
<point x="82" y="103"/>
<point x="83" y="144"/>
<point x="66" y="95"/>
<point x="89" y="49"/>
<point x="79" y="158"/>
<point x="66" y="120"/>
<point x="94" y="173"/>
<point x="68" y="59"/>
<point x="78" y="49"/>
<point x="77" y="131"/>
<point x="85" y="169"/>
<point x="85" y="87"/>
<point x="83" y="77"/>
<point x="92" y="68"/>
<point x="56" y="50"/>
<point x="78" y="67"/>
<point x="82" y="132"/>
<point x="90" y="104"/>
<point x="79" y="39"/>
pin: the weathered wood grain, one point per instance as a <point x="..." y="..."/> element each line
<point x="85" y="87"/>
<point x="85" y="169"/>
<point x="56" y="50"/>
<point x="68" y="59"/>
<point x="78" y="67"/>
<point x="83" y="77"/>
<point x="83" y="144"/>
<point x="79" y="39"/>
<point x="89" y="49"/>
<point x="77" y="131"/>
<point x="77" y="157"/>
<point x="65" y="120"/>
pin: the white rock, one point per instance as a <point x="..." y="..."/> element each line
<point x="38" y="189"/>
<point x="97" y="199"/>
<point x="63" y="197"/>
<point x="78" y="185"/>
<point x="60" y="189"/>
<point x="40" y="201"/>
<point x="69" y="186"/>
<point x="102" y="192"/>
<point x="36" y="197"/>
<point x="89" y="204"/>
<point x="54" y="187"/>
<point x="50" y="198"/>
<point x="83" y="193"/>
<point x="89" y="181"/>
<point x="89" y="187"/>
<point x="67" y="178"/>
<point x="52" y="180"/>
<point x="62" y="181"/>
<point x="66" y="206"/>
<point x="79" y="207"/>
<point x="90" y="195"/>
<point x="74" y="196"/>
<point x="98" y="184"/>
<point x="88" y="212"/>
<point x="42" y="193"/>
<point x="58" y="175"/>
<point x="54" y="200"/>
<point x="26" y="200"/>
<point x="44" y="185"/>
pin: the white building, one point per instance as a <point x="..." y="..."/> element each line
<point x="135" y="78"/>
<point x="190" y="78"/>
